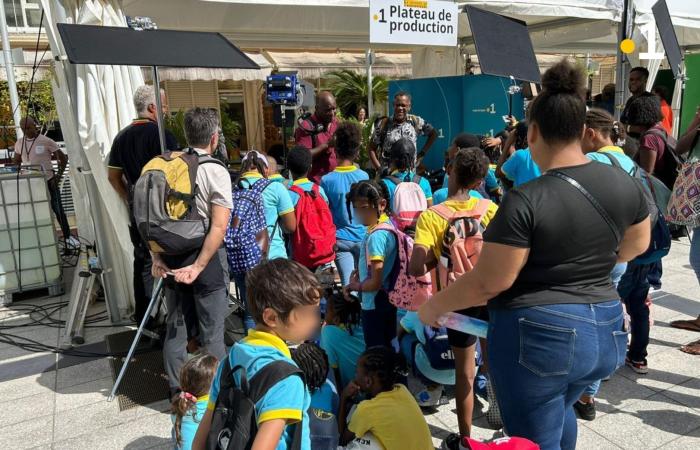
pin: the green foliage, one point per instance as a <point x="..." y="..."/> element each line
<point x="231" y="129"/>
<point x="175" y="123"/>
<point x="351" y="90"/>
<point x="42" y="107"/>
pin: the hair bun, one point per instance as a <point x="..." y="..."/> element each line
<point x="564" y="78"/>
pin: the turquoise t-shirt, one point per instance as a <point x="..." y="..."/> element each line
<point x="336" y="185"/>
<point x="625" y="161"/>
<point x="440" y="195"/>
<point x="289" y="399"/>
<point x="343" y="350"/>
<point x="521" y="168"/>
<point x="305" y="186"/>
<point x="380" y="246"/>
<point x="190" y="423"/>
<point x="326" y="398"/>
<point x="490" y="181"/>
<point x="423" y="183"/>
<point x="277" y="203"/>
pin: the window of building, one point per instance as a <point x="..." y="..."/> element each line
<point x="22" y="15"/>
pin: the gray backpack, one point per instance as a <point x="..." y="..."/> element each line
<point x="164" y="206"/>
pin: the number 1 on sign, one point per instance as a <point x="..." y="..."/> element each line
<point x="649" y="32"/>
<point x="381" y="15"/>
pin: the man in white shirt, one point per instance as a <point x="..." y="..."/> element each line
<point x="37" y="150"/>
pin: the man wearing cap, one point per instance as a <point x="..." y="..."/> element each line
<point x="317" y="133"/>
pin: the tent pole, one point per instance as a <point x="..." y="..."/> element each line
<point x="159" y="107"/>
<point x="370" y="106"/>
<point x="620" y="66"/>
<point x="9" y="68"/>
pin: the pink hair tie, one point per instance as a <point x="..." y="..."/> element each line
<point x="188" y="396"/>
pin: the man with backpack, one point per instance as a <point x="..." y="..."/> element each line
<point x="189" y="246"/>
<point x="133" y="147"/>
<point x="316" y="132"/>
<point x="449" y="237"/>
<point x="388" y="130"/>
<point x="312" y="244"/>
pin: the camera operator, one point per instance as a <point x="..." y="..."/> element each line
<point x="133" y="147"/>
<point x="35" y="149"/>
<point x="402" y="125"/>
<point x="317" y="133"/>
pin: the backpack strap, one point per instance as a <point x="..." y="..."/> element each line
<point x="297" y="190"/>
<point x="416" y="179"/>
<point x="613" y="161"/>
<point x="393" y="179"/>
<point x="269" y="376"/>
<point x="664" y="136"/>
<point x="447" y="214"/>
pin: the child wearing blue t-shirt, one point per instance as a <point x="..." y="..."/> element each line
<point x="283" y="298"/>
<point x="403" y="154"/>
<point x="349" y="231"/>
<point x="378" y="252"/>
<point x="323" y="412"/>
<point x="189" y="407"/>
<point x="342" y="337"/>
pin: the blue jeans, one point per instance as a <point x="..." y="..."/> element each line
<point x="542" y="358"/>
<point x="248" y="322"/>
<point x="695" y="252"/>
<point x="346" y="259"/>
<point x="634" y="290"/>
<point x="615" y="276"/>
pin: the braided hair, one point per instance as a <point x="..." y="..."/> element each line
<point x="383" y="363"/>
<point x="370" y="190"/>
<point x="252" y="161"/>
<point x="347" y="312"/>
<point x="313" y="361"/>
<point x="403" y="154"/>
<point x="603" y="122"/>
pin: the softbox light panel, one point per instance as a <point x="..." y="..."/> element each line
<point x="503" y="45"/>
<point x="668" y="36"/>
<point x="90" y="44"/>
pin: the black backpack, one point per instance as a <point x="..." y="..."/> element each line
<point x="640" y="177"/>
<point x="672" y="162"/>
<point x="233" y="424"/>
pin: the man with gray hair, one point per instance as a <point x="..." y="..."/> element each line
<point x="198" y="294"/>
<point x="133" y="147"/>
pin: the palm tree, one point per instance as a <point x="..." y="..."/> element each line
<point x="350" y="90"/>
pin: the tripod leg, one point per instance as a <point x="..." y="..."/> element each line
<point x="147" y="315"/>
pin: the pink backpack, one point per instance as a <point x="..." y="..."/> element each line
<point x="409" y="202"/>
<point x="408" y="292"/>
<point x="463" y="240"/>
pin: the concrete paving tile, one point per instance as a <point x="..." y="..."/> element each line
<point x="687" y="394"/>
<point x="35" y="406"/>
<point x="649" y="423"/>
<point x="83" y="394"/>
<point x="26" y="387"/>
<point x="666" y="370"/>
<point x="83" y="373"/>
<point x="689" y="441"/>
<point x="683" y="300"/>
<point x="30" y="433"/>
<point x="589" y="439"/>
<point x="145" y="433"/>
<point x="618" y="393"/>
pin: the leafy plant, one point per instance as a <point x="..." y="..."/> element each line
<point x="351" y="90"/>
<point x="42" y="106"/>
<point x="231" y="129"/>
<point x="175" y="123"/>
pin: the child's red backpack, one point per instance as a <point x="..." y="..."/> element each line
<point x="462" y="243"/>
<point x="408" y="292"/>
<point x="314" y="240"/>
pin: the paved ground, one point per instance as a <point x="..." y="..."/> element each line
<point x="67" y="409"/>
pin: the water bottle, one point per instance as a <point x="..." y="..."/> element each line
<point x="465" y="324"/>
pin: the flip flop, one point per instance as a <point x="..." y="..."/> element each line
<point x="685" y="325"/>
<point x="692" y="349"/>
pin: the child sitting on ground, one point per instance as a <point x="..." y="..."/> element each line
<point x="390" y="412"/>
<point x="323" y="422"/>
<point x="283" y="298"/>
<point x="342" y="337"/>
<point x="378" y="253"/>
<point x="189" y="407"/>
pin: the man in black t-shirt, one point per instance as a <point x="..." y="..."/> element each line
<point x="133" y="147"/>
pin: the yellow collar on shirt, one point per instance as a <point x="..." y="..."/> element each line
<point x="382" y="219"/>
<point x="275" y="176"/>
<point x="252" y="174"/>
<point x="611" y="149"/>
<point x="345" y="169"/>
<point x="300" y="181"/>
<point x="263" y="339"/>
